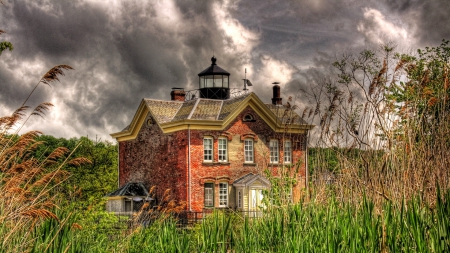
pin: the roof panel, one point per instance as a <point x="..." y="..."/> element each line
<point x="286" y="115"/>
<point x="207" y="109"/>
<point x="185" y="110"/>
<point x="230" y="105"/>
<point x="163" y="111"/>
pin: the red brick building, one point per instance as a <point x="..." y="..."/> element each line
<point x="211" y="148"/>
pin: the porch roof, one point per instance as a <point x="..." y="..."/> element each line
<point x="249" y="179"/>
<point x="129" y="189"/>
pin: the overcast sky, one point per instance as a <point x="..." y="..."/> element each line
<point x="123" y="51"/>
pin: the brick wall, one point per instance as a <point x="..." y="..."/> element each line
<point x="161" y="159"/>
<point x="156" y="159"/>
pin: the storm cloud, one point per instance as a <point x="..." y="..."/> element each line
<point x="123" y="51"/>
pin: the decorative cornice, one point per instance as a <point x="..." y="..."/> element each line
<point x="214" y="125"/>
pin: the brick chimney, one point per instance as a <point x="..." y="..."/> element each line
<point x="276" y="99"/>
<point x="177" y="94"/>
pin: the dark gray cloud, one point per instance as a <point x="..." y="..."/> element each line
<point x="123" y="51"/>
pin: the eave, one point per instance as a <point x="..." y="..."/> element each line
<point x="218" y="125"/>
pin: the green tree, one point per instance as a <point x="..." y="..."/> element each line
<point x="5" y="44"/>
<point x="88" y="182"/>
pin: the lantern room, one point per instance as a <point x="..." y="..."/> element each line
<point x="214" y="82"/>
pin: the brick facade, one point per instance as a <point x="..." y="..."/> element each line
<point x="161" y="160"/>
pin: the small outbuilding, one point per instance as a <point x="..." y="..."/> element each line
<point x="128" y="198"/>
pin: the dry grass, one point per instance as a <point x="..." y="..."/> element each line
<point x="388" y="147"/>
<point x="27" y="183"/>
<point x="166" y="208"/>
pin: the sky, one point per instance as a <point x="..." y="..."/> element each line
<point x="124" y="51"/>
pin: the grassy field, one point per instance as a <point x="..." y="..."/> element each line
<point x="335" y="227"/>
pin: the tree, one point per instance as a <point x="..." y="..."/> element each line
<point x="91" y="181"/>
<point x="5" y="44"/>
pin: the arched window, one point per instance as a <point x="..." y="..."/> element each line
<point x="248" y="117"/>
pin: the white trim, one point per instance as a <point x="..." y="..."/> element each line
<point x="290" y="151"/>
<point x="225" y="195"/>
<point x="221" y="106"/>
<point x="212" y="149"/>
<point x="252" y="150"/>
<point x="193" y="108"/>
<point x="226" y="149"/>
<point x="274" y="150"/>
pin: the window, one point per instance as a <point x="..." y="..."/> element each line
<point x="239" y="199"/>
<point x="208" y="149"/>
<point x="287" y="152"/>
<point x="223" y="194"/>
<point x="273" y="146"/>
<point x="248" y="150"/>
<point x="248" y="117"/>
<point x="222" y="150"/>
<point x="209" y="194"/>
<point x="127" y="205"/>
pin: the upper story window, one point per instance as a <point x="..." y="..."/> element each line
<point x="273" y="147"/>
<point x="223" y="194"/>
<point x="248" y="150"/>
<point x="208" y="149"/>
<point x="287" y="152"/>
<point x="222" y="150"/>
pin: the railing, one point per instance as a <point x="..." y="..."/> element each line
<point x="193" y="94"/>
<point x="186" y="218"/>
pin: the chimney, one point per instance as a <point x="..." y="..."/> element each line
<point x="177" y="94"/>
<point x="276" y="100"/>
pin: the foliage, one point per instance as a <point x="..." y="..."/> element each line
<point x="90" y="182"/>
<point x="384" y="123"/>
<point x="5" y="44"/>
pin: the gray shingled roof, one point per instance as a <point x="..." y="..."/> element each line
<point x="129" y="189"/>
<point x="249" y="178"/>
<point x="211" y="109"/>
<point x="286" y="115"/>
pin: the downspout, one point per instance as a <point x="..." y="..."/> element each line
<point x="189" y="168"/>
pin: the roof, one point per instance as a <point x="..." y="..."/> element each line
<point x="197" y="109"/>
<point x="130" y="189"/>
<point x="213" y="69"/>
<point x="286" y="115"/>
<point x="211" y="114"/>
<point x="250" y="178"/>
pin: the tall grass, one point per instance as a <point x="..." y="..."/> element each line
<point x="334" y="227"/>
<point x="385" y="120"/>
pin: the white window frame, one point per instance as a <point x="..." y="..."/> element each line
<point x="248" y="151"/>
<point x="288" y="151"/>
<point x="208" y="153"/>
<point x="274" y="151"/>
<point x="223" y="194"/>
<point x="209" y="202"/>
<point x="223" y="150"/>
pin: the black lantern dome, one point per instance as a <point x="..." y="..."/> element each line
<point x="214" y="82"/>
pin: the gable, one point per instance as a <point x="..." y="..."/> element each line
<point x="210" y="114"/>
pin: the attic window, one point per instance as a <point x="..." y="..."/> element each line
<point x="150" y="122"/>
<point x="248" y="118"/>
